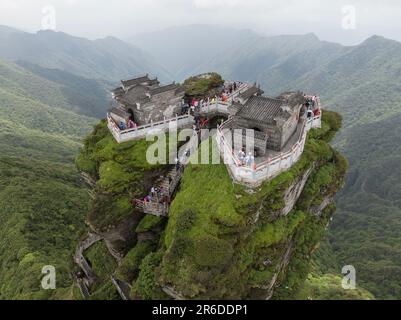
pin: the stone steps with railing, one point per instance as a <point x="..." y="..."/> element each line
<point x="170" y="182"/>
<point x="159" y="205"/>
<point x="123" y="288"/>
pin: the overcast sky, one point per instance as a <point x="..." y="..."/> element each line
<point x="328" y="19"/>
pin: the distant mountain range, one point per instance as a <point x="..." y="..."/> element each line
<point x="106" y="59"/>
<point x="53" y="88"/>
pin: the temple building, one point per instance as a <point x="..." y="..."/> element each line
<point x="143" y="100"/>
<point x="274" y="120"/>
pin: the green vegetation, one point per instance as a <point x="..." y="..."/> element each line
<point x="121" y="172"/>
<point x="38" y="144"/>
<point x="328" y="287"/>
<point x="148" y="223"/>
<point x="44" y="112"/>
<point x="128" y="269"/>
<point x="361" y="83"/>
<point x="214" y="246"/>
<point x="103" y="264"/>
<point x="146" y="286"/>
<point x="204" y="85"/>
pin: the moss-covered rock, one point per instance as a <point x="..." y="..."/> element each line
<point x="121" y="173"/>
<point x="239" y="245"/>
<point x="222" y="240"/>
<point x="204" y="85"/>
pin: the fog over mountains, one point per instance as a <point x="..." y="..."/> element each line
<point x="106" y="59"/>
<point x="53" y="87"/>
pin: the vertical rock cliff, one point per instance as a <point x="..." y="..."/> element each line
<point x="221" y="240"/>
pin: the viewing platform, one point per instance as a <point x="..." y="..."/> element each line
<point x="279" y="128"/>
<point x="273" y="162"/>
<point x="184" y="121"/>
<point x="211" y="107"/>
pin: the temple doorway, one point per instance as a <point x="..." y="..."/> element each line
<point x="131" y="115"/>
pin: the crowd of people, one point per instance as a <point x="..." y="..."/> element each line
<point x="246" y="159"/>
<point x="157" y="195"/>
<point x="312" y="106"/>
<point x="196" y="104"/>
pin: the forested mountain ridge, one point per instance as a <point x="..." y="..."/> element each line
<point x="42" y="202"/>
<point x="108" y="58"/>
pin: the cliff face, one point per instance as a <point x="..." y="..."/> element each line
<point x="221" y="240"/>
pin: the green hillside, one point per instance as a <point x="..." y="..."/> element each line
<point x="43" y="204"/>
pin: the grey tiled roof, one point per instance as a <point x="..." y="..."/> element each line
<point x="134" y="81"/>
<point x="118" y="91"/>
<point x="263" y="109"/>
<point x="165" y="88"/>
<point x="119" y="112"/>
<point x="251" y="92"/>
<point x="292" y="98"/>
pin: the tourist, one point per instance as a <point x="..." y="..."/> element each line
<point x="122" y="126"/>
<point x="250" y="159"/>
<point x="235" y="86"/>
<point x="153" y="191"/>
<point x="246" y="160"/>
<point x="241" y="156"/>
<point x="131" y="124"/>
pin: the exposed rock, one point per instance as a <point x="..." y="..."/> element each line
<point x="318" y="210"/>
<point x="293" y="193"/>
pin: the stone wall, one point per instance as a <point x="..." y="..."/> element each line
<point x="289" y="128"/>
<point x="273" y="132"/>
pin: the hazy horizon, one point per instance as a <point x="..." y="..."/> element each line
<point x="346" y="22"/>
<point x="127" y="39"/>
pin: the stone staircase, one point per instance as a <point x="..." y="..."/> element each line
<point x="158" y="206"/>
<point x="170" y="182"/>
<point x="123" y="288"/>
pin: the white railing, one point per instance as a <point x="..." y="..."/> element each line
<point x="142" y="131"/>
<point x="217" y="106"/>
<point x="221" y="106"/>
<point x="177" y="122"/>
<point x="272" y="166"/>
